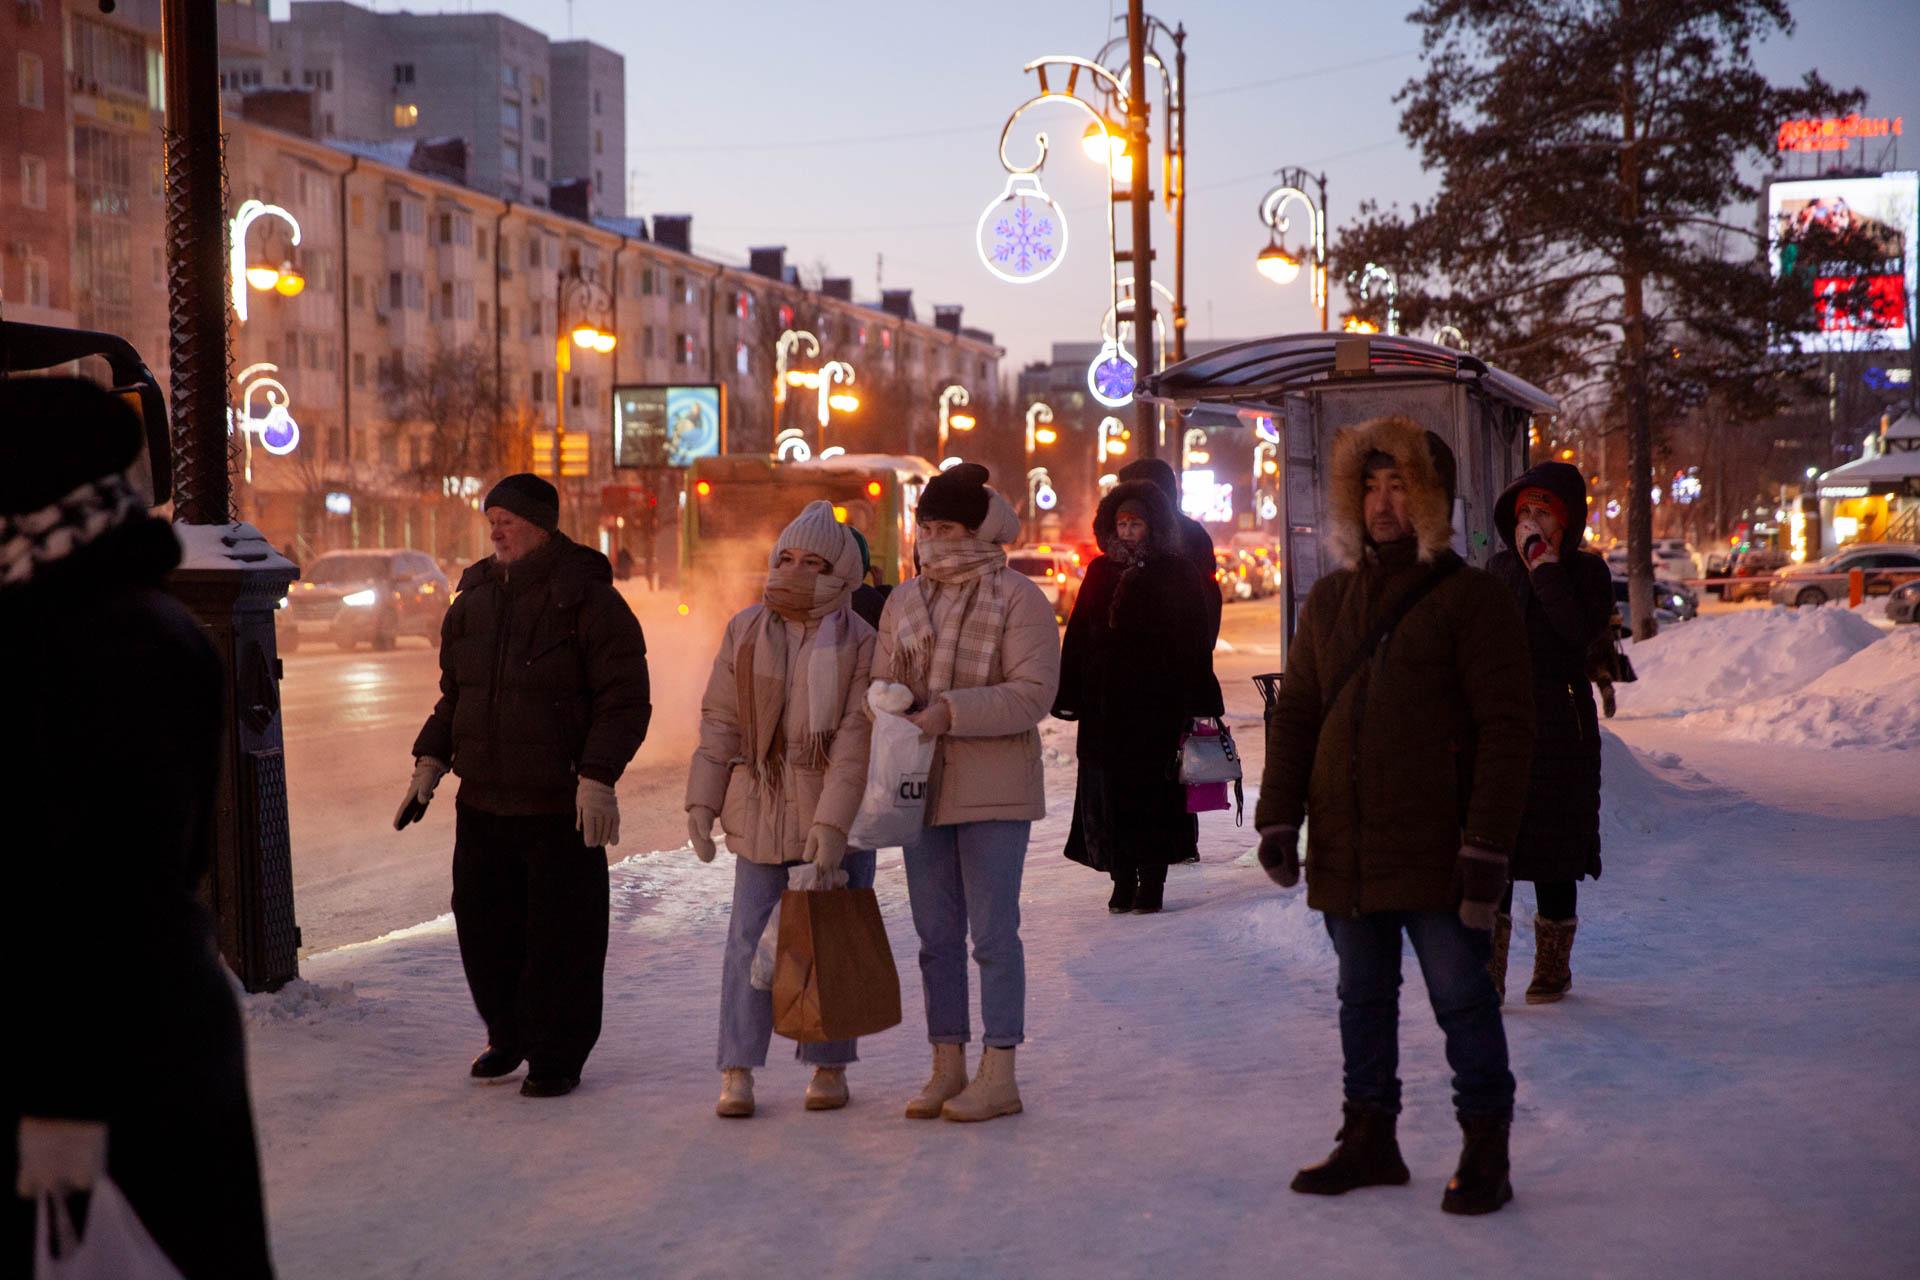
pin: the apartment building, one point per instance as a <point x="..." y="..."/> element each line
<point x="400" y="264"/>
<point x="535" y="114"/>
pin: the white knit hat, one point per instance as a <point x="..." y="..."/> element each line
<point x="817" y="532"/>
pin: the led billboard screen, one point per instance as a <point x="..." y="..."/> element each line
<point x="1862" y="278"/>
<point x="666" y="426"/>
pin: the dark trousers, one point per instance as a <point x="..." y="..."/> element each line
<point x="530" y="907"/>
<point x="1453" y="959"/>
<point x="1553" y="899"/>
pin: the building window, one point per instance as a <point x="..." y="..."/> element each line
<point x="540" y="168"/>
<point x="646" y="342"/>
<point x="510" y="116"/>
<point x="596" y="102"/>
<point x="405" y="115"/>
<point x="33" y="182"/>
<point x="537" y="88"/>
<point x="359" y="293"/>
<point x="479" y="242"/>
<point x="403" y="73"/>
<point x="686" y="349"/>
<point x="742" y="364"/>
<point x="396" y="291"/>
<point x="446" y="300"/>
<point x="597" y="148"/>
<point x="393" y="215"/>
<point x="109" y="60"/>
<point x="533" y="253"/>
<point x="646" y="282"/>
<point x="539" y="128"/>
<point x="538" y="385"/>
<point x="359" y="369"/>
<point x="33" y="82"/>
<point x="483" y="314"/>
<point x="599" y="182"/>
<point x="509" y="75"/>
<point x="36" y="281"/>
<point x="510" y="158"/>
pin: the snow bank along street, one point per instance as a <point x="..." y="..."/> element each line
<point x="1727" y="1091"/>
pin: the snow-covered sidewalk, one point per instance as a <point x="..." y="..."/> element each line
<point x="1727" y="1092"/>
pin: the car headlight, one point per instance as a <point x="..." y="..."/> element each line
<point x="282" y="604"/>
<point x="360" y="599"/>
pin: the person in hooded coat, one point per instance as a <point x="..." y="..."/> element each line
<point x="781" y="765"/>
<point x="1136" y="670"/>
<point x="1566" y="596"/>
<point x="1195" y="542"/>
<point x="127" y="1057"/>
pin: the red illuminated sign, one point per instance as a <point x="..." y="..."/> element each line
<point x="1834" y="133"/>
<point x="1884" y="304"/>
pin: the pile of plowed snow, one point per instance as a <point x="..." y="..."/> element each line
<point x="1870" y="700"/>
<point x="1737" y="658"/>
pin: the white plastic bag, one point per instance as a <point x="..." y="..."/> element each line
<point x="894" y="806"/>
<point x="115" y="1247"/>
<point x="804" y="876"/>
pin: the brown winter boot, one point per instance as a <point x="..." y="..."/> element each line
<point x="1497" y="965"/>
<point x="1481" y="1184"/>
<point x="1552" y="959"/>
<point x="827" y="1091"/>
<point x="992" y="1092"/>
<point x="949" y="1078"/>
<point x="1368" y="1156"/>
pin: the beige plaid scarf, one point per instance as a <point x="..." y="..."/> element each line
<point x="951" y="617"/>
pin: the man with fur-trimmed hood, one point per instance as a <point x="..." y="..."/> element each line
<point x="1404" y="729"/>
<point x="1136" y="669"/>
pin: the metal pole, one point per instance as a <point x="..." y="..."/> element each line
<point x="1180" y="195"/>
<point x="1146" y="416"/>
<point x="196" y="263"/>
<point x="1320" y="248"/>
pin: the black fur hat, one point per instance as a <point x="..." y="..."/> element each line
<point x="958" y="494"/>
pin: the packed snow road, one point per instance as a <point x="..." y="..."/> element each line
<point x="350" y="722"/>
<point x="1727" y="1092"/>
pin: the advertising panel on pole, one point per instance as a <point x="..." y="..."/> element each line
<point x="1863" y="290"/>
<point x="657" y="425"/>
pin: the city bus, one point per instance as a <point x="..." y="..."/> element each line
<point x="735" y="505"/>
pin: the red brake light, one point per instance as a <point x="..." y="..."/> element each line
<point x="873" y="488"/>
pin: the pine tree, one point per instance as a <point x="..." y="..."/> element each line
<point x="1594" y="228"/>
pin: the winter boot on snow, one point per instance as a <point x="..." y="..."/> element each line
<point x="736" y="1094"/>
<point x="992" y="1093"/>
<point x="494" y="1063"/>
<point x="540" y="1084"/>
<point x="827" y="1091"/>
<point x="948" y="1079"/>
<point x="1153" y="891"/>
<point x="1125" y="884"/>
<point x="1552" y="959"/>
<point x="1368" y="1155"/>
<point x="1480" y="1184"/>
<point x="1497" y="966"/>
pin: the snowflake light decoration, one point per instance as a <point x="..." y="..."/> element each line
<point x="1112" y="375"/>
<point x="1022" y="234"/>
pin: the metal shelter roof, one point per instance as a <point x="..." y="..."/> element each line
<point x="1257" y="373"/>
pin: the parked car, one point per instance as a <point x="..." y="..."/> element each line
<point x="1672" y="602"/>
<point x="1757" y="565"/>
<point x="1814" y="584"/>
<point x="365" y="597"/>
<point x="1668" y="563"/>
<point x="1903" y="602"/>
<point x="1056" y="571"/>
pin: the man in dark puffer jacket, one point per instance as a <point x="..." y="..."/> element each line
<point x="543" y="701"/>
<point x="1409" y="752"/>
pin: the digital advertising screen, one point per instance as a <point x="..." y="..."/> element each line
<point x="666" y="426"/>
<point x="1876" y="222"/>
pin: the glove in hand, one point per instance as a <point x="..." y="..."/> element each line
<point x="427" y="773"/>
<point x="1480" y="878"/>
<point x="826" y="847"/>
<point x="1280" y="855"/>
<point x="596" y="814"/>
<point x="700" y="820"/>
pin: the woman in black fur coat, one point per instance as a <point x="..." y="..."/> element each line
<point x="1136" y="670"/>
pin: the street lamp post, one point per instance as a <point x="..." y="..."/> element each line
<point x="1039" y="433"/>
<point x="1173" y="101"/>
<point x="1110" y="443"/>
<point x="1274" y="261"/>
<point x="952" y="397"/>
<point x="1372" y="276"/>
<point x="582" y="296"/>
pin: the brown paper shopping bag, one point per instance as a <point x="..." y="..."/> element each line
<point x="833" y="975"/>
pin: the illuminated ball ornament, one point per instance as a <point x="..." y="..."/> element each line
<point x="1112" y="375"/>
<point x="1022" y="233"/>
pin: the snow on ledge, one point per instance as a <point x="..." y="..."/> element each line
<point x="228" y="546"/>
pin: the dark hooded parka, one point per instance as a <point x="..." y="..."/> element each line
<point x="1566" y="607"/>
<point x="1136" y="669"/>
<point x="1195" y="542"/>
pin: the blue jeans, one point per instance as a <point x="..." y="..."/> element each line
<point x="961" y="877"/>
<point x="1453" y="959"/>
<point x="746" y="1013"/>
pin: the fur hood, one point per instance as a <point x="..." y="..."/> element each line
<point x="1564" y="482"/>
<point x="1164" y="535"/>
<point x="1427" y="465"/>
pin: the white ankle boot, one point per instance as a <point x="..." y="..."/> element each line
<point x="949" y="1078"/>
<point x="992" y="1093"/>
<point x="827" y="1091"/>
<point x="736" y="1093"/>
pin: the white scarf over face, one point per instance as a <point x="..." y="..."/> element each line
<point x="763" y="681"/>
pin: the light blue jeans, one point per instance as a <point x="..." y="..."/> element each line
<point x="961" y="877"/>
<point x="746" y="1013"/>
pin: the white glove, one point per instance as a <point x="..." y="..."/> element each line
<point x="59" y="1156"/>
<point x="700" y="820"/>
<point x="826" y="847"/>
<point x="596" y="814"/>
<point x="427" y="773"/>
<point x="1527" y="530"/>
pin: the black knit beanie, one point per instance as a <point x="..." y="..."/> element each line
<point x="61" y="434"/>
<point x="528" y="496"/>
<point x="958" y="494"/>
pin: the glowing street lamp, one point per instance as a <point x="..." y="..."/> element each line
<point x="262" y="275"/>
<point x="582" y="295"/>
<point x="951" y="397"/>
<point x="835" y="373"/>
<point x="1111" y="441"/>
<point x="1276" y="262"/>
<point x="1038" y="413"/>
<point x="782" y="349"/>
